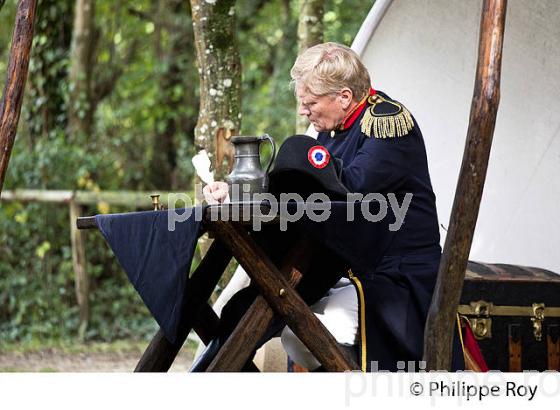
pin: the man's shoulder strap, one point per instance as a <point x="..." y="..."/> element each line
<point x="386" y="118"/>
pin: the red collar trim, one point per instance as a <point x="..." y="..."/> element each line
<point x="351" y="117"/>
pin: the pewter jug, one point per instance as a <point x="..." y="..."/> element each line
<point x="248" y="176"/>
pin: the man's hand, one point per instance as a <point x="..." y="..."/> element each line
<point x="215" y="192"/>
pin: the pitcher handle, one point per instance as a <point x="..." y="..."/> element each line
<point x="269" y="138"/>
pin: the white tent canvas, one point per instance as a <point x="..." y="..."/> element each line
<point x="424" y="53"/>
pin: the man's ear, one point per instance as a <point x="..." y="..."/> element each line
<point x="346" y="96"/>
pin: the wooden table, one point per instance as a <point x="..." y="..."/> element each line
<point x="277" y="298"/>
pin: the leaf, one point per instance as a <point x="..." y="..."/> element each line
<point x="42" y="249"/>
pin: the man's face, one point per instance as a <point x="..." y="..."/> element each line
<point x="324" y="112"/>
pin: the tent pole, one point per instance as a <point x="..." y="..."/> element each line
<point x="441" y="317"/>
<point x="18" y="65"/>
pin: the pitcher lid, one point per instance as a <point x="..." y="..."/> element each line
<point x="243" y="138"/>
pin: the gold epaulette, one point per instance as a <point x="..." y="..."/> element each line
<point x="386" y="119"/>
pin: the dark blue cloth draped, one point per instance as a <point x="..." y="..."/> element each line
<point x="156" y="260"/>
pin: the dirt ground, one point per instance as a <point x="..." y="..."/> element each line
<point x="56" y="361"/>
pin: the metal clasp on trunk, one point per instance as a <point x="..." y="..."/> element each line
<point x="537" y="319"/>
<point x="481" y="324"/>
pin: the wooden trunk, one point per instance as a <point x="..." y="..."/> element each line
<point x="514" y="312"/>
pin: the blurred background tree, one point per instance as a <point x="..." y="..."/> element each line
<point x="310" y="33"/>
<point x="120" y="114"/>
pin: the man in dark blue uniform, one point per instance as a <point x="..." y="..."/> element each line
<point x="381" y="150"/>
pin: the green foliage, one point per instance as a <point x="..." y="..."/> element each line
<point x="48" y="67"/>
<point x="146" y="56"/>
<point x="7" y="15"/>
<point x="37" y="299"/>
<point x="268" y="46"/>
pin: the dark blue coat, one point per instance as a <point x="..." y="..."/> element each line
<point x="395" y="294"/>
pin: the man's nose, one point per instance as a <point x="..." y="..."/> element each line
<point x="303" y="110"/>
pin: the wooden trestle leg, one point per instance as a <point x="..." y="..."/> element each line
<point x="253" y="325"/>
<point x="282" y="298"/>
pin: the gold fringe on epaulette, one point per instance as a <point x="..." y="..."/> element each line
<point x="387" y="126"/>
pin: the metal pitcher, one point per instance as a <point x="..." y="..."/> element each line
<point x="248" y="176"/>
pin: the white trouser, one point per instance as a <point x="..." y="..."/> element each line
<point x="338" y="311"/>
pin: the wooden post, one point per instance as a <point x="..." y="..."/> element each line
<point x="18" y="65"/>
<point x="441" y="317"/>
<point x="79" y="264"/>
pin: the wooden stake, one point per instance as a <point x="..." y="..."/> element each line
<point x="18" y="65"/>
<point x="79" y="263"/>
<point x="441" y="317"/>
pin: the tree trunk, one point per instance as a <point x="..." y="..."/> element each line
<point x="441" y="316"/>
<point x="219" y="68"/>
<point x="310" y="27"/>
<point x="310" y="33"/>
<point x="18" y="65"/>
<point x="80" y="110"/>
